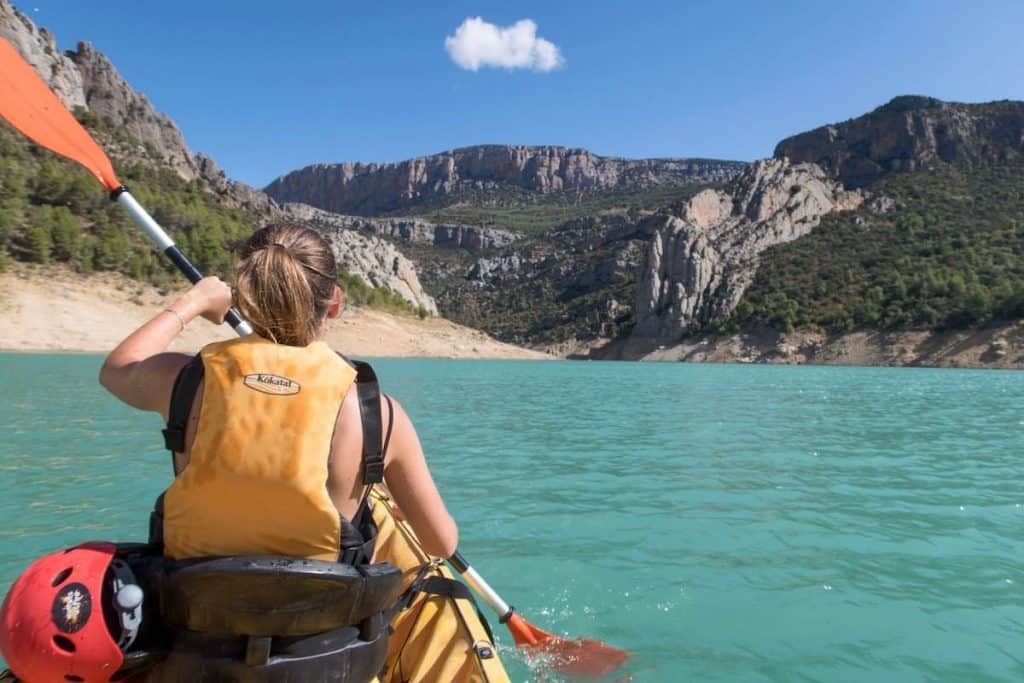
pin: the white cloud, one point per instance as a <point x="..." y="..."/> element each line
<point x="477" y="43"/>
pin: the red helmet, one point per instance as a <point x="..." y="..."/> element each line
<point x="52" y="626"/>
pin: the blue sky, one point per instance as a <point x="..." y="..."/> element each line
<point x="266" y="87"/>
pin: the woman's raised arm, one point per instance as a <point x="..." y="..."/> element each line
<point x="138" y="371"/>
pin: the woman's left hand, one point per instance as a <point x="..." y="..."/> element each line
<point x="211" y="298"/>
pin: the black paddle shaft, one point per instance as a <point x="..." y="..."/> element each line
<point x="194" y="275"/>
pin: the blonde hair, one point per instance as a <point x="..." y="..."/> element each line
<point x="284" y="281"/>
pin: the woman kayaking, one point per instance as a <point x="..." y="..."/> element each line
<point x="272" y="458"/>
<point x="277" y="444"/>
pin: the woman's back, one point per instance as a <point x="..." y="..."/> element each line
<point x="274" y="442"/>
<point x="258" y="479"/>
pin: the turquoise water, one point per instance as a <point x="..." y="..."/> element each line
<point x="723" y="523"/>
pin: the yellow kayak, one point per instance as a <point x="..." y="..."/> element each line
<point x="438" y="637"/>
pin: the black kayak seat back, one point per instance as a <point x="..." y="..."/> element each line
<point x="343" y="655"/>
<point x="274" y="596"/>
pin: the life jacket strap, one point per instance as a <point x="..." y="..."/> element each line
<point x="368" y="391"/>
<point x="359" y="535"/>
<point x="186" y="384"/>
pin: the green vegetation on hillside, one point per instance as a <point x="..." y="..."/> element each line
<point x="52" y="210"/>
<point x="950" y="255"/>
<point x="531" y="215"/>
<point x="359" y="293"/>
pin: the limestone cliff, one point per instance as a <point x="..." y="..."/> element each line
<point x="39" y="48"/>
<point x="415" y="230"/>
<point x="909" y="133"/>
<point x="374" y="188"/>
<point x="380" y="264"/>
<point x="108" y="95"/>
<point x="86" y="78"/>
<point x="235" y="193"/>
<point x="699" y="263"/>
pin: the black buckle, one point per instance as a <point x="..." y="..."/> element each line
<point x="373" y="470"/>
<point x="174" y="438"/>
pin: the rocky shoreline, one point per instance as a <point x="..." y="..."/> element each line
<point x="995" y="347"/>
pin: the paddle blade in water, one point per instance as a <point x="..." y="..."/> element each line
<point x="581" y="657"/>
<point x="27" y="103"/>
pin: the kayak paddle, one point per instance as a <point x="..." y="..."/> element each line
<point x="572" y="656"/>
<point x="28" y="104"/>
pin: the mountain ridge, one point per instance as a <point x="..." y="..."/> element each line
<point x="373" y="188"/>
<point x="908" y="133"/>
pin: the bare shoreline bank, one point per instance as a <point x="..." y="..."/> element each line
<point x="51" y="309"/>
<point x="994" y="347"/>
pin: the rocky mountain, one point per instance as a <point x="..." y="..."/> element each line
<point x="235" y="193"/>
<point x="910" y="133"/>
<point x="86" y="78"/>
<point x="700" y="262"/>
<point x="485" y="171"/>
<point x="55" y="213"/>
<point x="414" y="230"/>
<point x="561" y="290"/>
<point x="904" y="223"/>
<point x="380" y="264"/>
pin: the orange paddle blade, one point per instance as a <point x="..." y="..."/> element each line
<point x="581" y="657"/>
<point x="29" y="105"/>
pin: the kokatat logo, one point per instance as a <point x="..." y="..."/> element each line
<point x="272" y="384"/>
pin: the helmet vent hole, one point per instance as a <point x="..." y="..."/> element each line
<point x="72" y="677"/>
<point x="64" y="643"/>
<point x="61" y="577"/>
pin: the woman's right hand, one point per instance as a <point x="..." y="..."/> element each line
<point x="211" y="298"/>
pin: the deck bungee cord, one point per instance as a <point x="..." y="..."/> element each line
<point x="29" y="105"/>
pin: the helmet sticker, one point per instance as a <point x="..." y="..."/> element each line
<point x="71" y="608"/>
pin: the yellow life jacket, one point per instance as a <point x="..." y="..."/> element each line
<point x="256" y="482"/>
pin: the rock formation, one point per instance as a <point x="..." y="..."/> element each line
<point x="373" y="188"/>
<point x="86" y="78"/>
<point x="108" y="95"/>
<point x="910" y="133"/>
<point x="235" y="193"/>
<point x="39" y="48"/>
<point x="700" y="263"/>
<point x="379" y="264"/>
<point x="415" y="230"/>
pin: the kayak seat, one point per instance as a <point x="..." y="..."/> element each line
<point x="266" y="619"/>
<point x="264" y="596"/>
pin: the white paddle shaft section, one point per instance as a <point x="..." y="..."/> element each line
<point x="166" y="245"/>
<point x="149" y="226"/>
<point x="481" y="588"/>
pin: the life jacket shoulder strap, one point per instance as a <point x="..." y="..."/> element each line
<point x="367" y="389"/>
<point x="184" y="392"/>
<point x="368" y="392"/>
